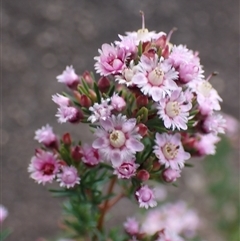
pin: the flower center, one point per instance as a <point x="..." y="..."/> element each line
<point x="117" y="139"/>
<point x="146" y="196"/>
<point x="170" y="150"/>
<point x="205" y="88"/>
<point x="68" y="177"/>
<point x="172" y="109"/>
<point x="48" y="169"/>
<point x="155" y="77"/>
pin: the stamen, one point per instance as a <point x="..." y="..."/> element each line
<point x="215" y="73"/>
<point x="143" y="19"/>
<point x="170" y="34"/>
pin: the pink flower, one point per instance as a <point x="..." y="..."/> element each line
<point x="174" y="110"/>
<point x="127" y="74"/>
<point x="146" y="197"/>
<point x="143" y="35"/>
<point x="45" y="135"/>
<point x="214" y="124"/>
<point x="68" y="177"/>
<point x="69" y="77"/>
<point x="167" y="235"/>
<point x="43" y="167"/>
<point x="207" y="97"/>
<point x="68" y="113"/>
<point x="3" y="213"/>
<point x="90" y="155"/>
<point x="155" y="78"/>
<point x="118" y="139"/>
<point x="127" y="43"/>
<point x="61" y="100"/>
<point x="169" y="150"/>
<point x="126" y="170"/>
<point x="117" y="102"/>
<point x="100" y="111"/>
<point x="171" y="175"/>
<point x="186" y="63"/>
<point x="111" y="60"/>
<point x="131" y="226"/>
<point x="206" y="144"/>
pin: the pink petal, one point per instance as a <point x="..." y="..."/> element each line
<point x="98" y="143"/>
<point x="106" y="124"/>
<point x="139" y="79"/>
<point x="134" y="145"/>
<point x="156" y="93"/>
<point x="129" y="125"/>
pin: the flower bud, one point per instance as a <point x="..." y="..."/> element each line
<point x="76" y="153"/>
<point x="88" y="78"/>
<point x="170" y="175"/>
<point x="92" y="95"/>
<point x="142" y="101"/>
<point x="142" y="129"/>
<point x="156" y="166"/>
<point x="66" y="139"/>
<point x="77" y="95"/>
<point x="143" y="175"/>
<point x="103" y="84"/>
<point x="85" y="101"/>
<point x="76" y="117"/>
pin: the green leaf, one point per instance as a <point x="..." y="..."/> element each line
<point x="99" y="99"/>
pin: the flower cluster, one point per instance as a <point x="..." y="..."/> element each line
<point x="151" y="110"/>
<point x="169" y="221"/>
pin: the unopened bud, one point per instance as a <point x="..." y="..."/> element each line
<point x="85" y="101"/>
<point x="170" y="175"/>
<point x="142" y="129"/>
<point x="76" y="153"/>
<point x="67" y="139"/>
<point x="88" y="78"/>
<point x="142" y="101"/>
<point x="103" y="84"/>
<point x="143" y="175"/>
<point x="92" y="95"/>
<point x="77" y="95"/>
<point x="156" y="166"/>
<point x="77" y="116"/>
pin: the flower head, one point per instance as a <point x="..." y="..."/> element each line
<point x="155" y="78"/>
<point x="111" y="60"/>
<point x="90" y="155"/>
<point x="118" y="139"/>
<point x="100" y="111"/>
<point x="43" y="167"/>
<point x="68" y="113"/>
<point x="169" y="150"/>
<point x="167" y="235"/>
<point x="69" y="77"/>
<point x="174" y="110"/>
<point x="146" y="197"/>
<point x="117" y="102"/>
<point x="45" y="135"/>
<point x="131" y="226"/>
<point x="126" y="170"/>
<point x="171" y="175"/>
<point x="214" y="124"/>
<point x="61" y="100"/>
<point x="68" y="177"/>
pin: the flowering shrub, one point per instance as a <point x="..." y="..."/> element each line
<point x="150" y="111"/>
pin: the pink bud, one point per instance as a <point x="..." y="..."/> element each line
<point x="88" y="78"/>
<point x="76" y="153"/>
<point x="103" y="84"/>
<point x="142" y="101"/>
<point x="67" y="139"/>
<point x="118" y="103"/>
<point x="85" y="101"/>
<point x="143" y="175"/>
<point x="170" y="175"/>
<point x="142" y="129"/>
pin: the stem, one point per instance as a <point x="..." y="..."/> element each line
<point x="106" y="204"/>
<point x="115" y="200"/>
